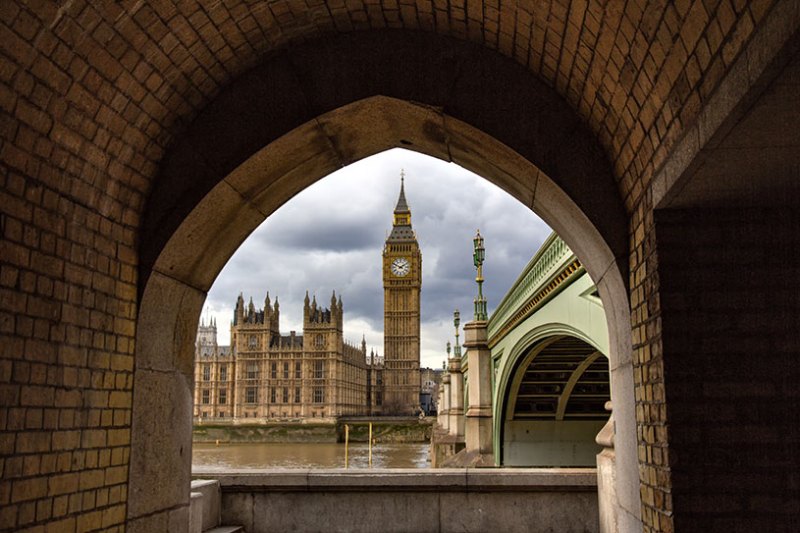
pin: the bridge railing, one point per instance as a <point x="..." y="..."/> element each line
<point x="551" y="257"/>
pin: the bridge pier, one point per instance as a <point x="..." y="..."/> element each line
<point x="456" y="408"/>
<point x="478" y="424"/>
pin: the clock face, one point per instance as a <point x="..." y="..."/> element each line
<point x="401" y="267"/>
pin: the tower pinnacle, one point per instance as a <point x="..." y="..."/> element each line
<point x="402" y="205"/>
<point x="401" y="226"/>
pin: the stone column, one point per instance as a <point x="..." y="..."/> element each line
<point x="478" y="428"/>
<point x="456" y="412"/>
<point x="606" y="477"/>
<point x="443" y="416"/>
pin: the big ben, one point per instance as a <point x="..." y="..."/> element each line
<point x="402" y="281"/>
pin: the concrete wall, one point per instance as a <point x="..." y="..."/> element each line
<point x="551" y="442"/>
<point x="530" y="500"/>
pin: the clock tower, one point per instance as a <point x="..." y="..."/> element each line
<point x="402" y="281"/>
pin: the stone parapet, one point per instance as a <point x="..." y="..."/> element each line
<point x="462" y="499"/>
<point x="405" y="479"/>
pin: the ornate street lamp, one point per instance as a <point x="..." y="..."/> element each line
<point x="477" y="257"/>
<point x="456" y="322"/>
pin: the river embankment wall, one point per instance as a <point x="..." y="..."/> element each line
<point x="383" y="431"/>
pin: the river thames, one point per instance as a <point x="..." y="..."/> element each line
<point x="210" y="457"/>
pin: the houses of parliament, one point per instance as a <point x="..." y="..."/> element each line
<point x="265" y="374"/>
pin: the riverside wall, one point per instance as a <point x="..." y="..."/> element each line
<point x="399" y="430"/>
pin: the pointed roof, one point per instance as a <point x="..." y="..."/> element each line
<point x="401" y="228"/>
<point x="402" y="205"/>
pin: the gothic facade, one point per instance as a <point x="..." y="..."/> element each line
<point x="266" y="375"/>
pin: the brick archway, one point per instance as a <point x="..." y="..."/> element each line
<point x="94" y="95"/>
<point x="203" y="241"/>
<point x="307" y="112"/>
<point x="266" y="149"/>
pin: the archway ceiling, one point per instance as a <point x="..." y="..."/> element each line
<point x="118" y="81"/>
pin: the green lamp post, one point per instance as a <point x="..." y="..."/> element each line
<point x="478" y="256"/>
<point x="456" y="322"/>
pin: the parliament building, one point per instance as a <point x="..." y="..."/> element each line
<point x="264" y="374"/>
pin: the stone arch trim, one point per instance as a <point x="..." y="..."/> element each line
<point x="237" y="202"/>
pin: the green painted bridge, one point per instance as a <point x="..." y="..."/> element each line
<point x="549" y="344"/>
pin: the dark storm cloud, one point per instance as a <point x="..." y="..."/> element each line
<point x="330" y="237"/>
<point x="324" y="236"/>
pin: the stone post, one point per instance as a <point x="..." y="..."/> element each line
<point x="456" y="422"/>
<point x="606" y="477"/>
<point x="478" y="429"/>
<point x="444" y="404"/>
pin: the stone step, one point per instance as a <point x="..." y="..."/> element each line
<point x="225" y="529"/>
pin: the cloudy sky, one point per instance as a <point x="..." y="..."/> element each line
<point x="330" y="237"/>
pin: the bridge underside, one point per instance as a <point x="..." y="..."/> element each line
<point x="555" y="405"/>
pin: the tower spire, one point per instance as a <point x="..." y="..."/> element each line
<point x="401" y="225"/>
<point x="402" y="205"/>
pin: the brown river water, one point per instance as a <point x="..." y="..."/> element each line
<point x="210" y="457"/>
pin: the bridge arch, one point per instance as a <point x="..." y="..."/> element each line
<point x="297" y="118"/>
<point x="519" y="354"/>
<point x="548" y="429"/>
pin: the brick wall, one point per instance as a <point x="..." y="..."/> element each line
<point x="729" y="282"/>
<point x="67" y="285"/>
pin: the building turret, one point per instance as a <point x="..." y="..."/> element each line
<point x="275" y="319"/>
<point x="251" y="311"/>
<point x="238" y="314"/>
<point x="206" y="336"/>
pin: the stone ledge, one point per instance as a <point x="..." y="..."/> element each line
<point x="407" y="480"/>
